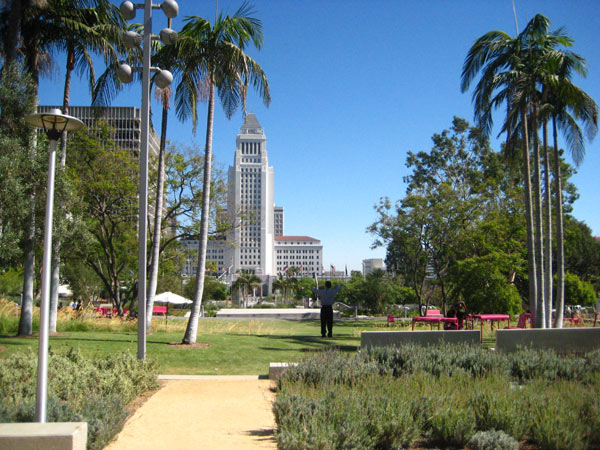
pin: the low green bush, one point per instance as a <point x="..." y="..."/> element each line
<point x="492" y="440"/>
<point x="94" y="390"/>
<point x="448" y="395"/>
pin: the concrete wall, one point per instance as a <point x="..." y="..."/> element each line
<point x="47" y="436"/>
<point x="385" y="338"/>
<point x="562" y="340"/>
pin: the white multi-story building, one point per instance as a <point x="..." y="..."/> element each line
<point x="126" y="123"/>
<point x="370" y="265"/>
<point x="251" y="199"/>
<point x="257" y="243"/>
<point x="278" y="211"/>
<point x="302" y="252"/>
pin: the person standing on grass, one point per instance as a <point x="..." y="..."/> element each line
<point x="326" y="297"/>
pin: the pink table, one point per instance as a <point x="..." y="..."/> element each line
<point x="431" y="320"/>
<point x="491" y="318"/>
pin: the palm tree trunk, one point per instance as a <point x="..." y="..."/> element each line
<point x="192" y="326"/>
<point x="153" y="281"/>
<point x="55" y="277"/>
<point x="539" y="244"/>
<point x="560" y="250"/>
<point x="547" y="231"/>
<point x="531" y="262"/>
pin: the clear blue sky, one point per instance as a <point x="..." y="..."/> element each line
<point x="355" y="85"/>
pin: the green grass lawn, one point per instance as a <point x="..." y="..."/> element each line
<point x="234" y="347"/>
<point x="241" y="347"/>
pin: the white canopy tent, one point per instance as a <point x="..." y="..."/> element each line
<point x="170" y="298"/>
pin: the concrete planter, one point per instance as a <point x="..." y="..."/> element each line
<point x="561" y="340"/>
<point x="51" y="435"/>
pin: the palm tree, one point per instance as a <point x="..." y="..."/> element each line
<point x="568" y="105"/>
<point x="281" y="284"/>
<point x="215" y="58"/>
<point x="246" y="282"/>
<point x="498" y="56"/>
<point x="79" y="27"/>
<point x="26" y="38"/>
<point x="513" y="69"/>
<point x="166" y="58"/>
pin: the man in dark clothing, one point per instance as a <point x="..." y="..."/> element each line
<point x="326" y="297"/>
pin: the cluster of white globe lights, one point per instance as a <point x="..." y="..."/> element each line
<point x="131" y="39"/>
<point x="55" y="123"/>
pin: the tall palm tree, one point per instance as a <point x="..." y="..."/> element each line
<point x="498" y="56"/>
<point x="81" y="28"/>
<point x="215" y="58"/>
<point x="247" y="281"/>
<point x="25" y="39"/>
<point x="514" y="69"/>
<point x="568" y="106"/>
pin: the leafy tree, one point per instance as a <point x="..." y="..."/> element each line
<point x="215" y="58"/>
<point x="483" y="283"/>
<point x="582" y="251"/>
<point x="213" y="289"/>
<point x="579" y="292"/>
<point x="103" y="177"/>
<point x="452" y="189"/>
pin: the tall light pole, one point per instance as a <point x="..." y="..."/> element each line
<point x="163" y="79"/>
<point x="54" y="123"/>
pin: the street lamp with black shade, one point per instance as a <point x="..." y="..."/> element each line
<point x="53" y="123"/>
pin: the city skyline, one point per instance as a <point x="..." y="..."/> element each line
<point x="355" y="86"/>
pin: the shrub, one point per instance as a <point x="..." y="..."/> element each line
<point x="492" y="440"/>
<point x="79" y="389"/>
<point x="392" y="397"/>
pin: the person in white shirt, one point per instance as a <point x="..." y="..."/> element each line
<point x="326" y="296"/>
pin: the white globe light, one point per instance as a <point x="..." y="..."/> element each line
<point x="170" y="8"/>
<point x="127" y="10"/>
<point x="163" y="79"/>
<point x="168" y="36"/>
<point x="124" y="73"/>
<point x="131" y="39"/>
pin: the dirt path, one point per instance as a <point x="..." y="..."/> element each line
<point x="203" y="413"/>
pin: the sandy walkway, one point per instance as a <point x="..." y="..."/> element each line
<point x="203" y="413"/>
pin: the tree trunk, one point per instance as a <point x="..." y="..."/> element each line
<point x="192" y="326"/>
<point x="539" y="249"/>
<point x="153" y="281"/>
<point x="26" y="319"/>
<point x="533" y="285"/>
<point x="13" y="28"/>
<point x="560" y="250"/>
<point x="55" y="278"/>
<point x="547" y="231"/>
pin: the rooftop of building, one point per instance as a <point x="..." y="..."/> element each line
<point x="295" y="238"/>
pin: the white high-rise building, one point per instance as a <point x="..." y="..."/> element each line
<point x="257" y="243"/>
<point x="251" y="199"/>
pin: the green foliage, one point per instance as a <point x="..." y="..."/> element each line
<point x="578" y="292"/>
<point x="483" y="284"/>
<point x="79" y="389"/>
<point x="104" y="211"/>
<point x="492" y="440"/>
<point x="22" y="168"/>
<point x="11" y="282"/>
<point x="454" y="192"/>
<point x="446" y="402"/>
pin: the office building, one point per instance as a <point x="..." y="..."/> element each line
<point x="257" y="243"/>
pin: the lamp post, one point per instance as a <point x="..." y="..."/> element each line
<point x="163" y="79"/>
<point x="54" y="123"/>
